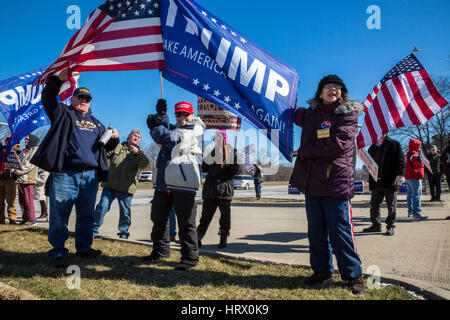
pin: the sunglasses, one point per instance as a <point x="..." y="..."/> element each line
<point x="86" y="98"/>
<point x="182" y="114"/>
<point x="329" y="86"/>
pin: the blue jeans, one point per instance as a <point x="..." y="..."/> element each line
<point x="172" y="223"/>
<point x="258" y="187"/>
<point x="414" y="188"/>
<point x="330" y="230"/>
<point x="104" y="205"/>
<point x="70" y="188"/>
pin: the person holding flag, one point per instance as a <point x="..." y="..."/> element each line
<point x="177" y="181"/>
<point x="323" y="171"/>
<point x="77" y="161"/>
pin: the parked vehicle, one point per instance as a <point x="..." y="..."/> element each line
<point x="243" y="182"/>
<point x="145" y="176"/>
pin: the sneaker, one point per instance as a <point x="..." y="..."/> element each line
<point x="123" y="236"/>
<point x="172" y="238"/>
<point x="30" y="223"/>
<point x="319" y="279"/>
<point x="182" y="266"/>
<point x="420" y="217"/>
<point x="13" y="222"/>
<point x="389" y="231"/>
<point x="91" y="253"/>
<point x="372" y="228"/>
<point x="43" y="215"/>
<point x="357" y="285"/>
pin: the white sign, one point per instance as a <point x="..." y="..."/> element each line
<point x="368" y="161"/>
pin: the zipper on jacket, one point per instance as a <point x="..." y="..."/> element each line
<point x="182" y="172"/>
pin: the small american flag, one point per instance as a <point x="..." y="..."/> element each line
<point x="405" y="96"/>
<point x="118" y="35"/>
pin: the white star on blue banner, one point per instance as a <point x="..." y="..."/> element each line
<point x="207" y="57"/>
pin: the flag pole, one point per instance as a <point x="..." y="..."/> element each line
<point x="161" y="83"/>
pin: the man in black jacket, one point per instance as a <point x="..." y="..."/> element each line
<point x="77" y="162"/>
<point x="434" y="176"/>
<point x="388" y="155"/>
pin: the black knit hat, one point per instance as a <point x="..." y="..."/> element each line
<point x="332" y="78"/>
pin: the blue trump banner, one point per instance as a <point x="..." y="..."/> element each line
<point x="21" y="105"/>
<point x="209" y="58"/>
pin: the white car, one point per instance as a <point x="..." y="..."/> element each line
<point x="145" y="176"/>
<point x="243" y="182"/>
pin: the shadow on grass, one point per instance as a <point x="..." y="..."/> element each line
<point x="133" y="270"/>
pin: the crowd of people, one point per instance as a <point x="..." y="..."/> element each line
<point x="73" y="159"/>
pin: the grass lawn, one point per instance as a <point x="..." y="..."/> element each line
<point x="119" y="274"/>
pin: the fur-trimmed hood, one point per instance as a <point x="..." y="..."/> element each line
<point x="345" y="108"/>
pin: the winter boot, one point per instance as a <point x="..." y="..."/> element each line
<point x="223" y="239"/>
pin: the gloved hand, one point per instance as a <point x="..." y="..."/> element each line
<point x="399" y="180"/>
<point x="151" y="121"/>
<point x="161" y="108"/>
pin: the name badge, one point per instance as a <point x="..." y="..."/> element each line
<point x="323" y="133"/>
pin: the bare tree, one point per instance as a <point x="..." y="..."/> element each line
<point x="151" y="150"/>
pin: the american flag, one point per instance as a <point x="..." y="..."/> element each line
<point x="118" y="35"/>
<point x="405" y="96"/>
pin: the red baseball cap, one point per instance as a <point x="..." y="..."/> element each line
<point x="184" y="107"/>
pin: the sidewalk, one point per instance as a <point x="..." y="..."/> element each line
<point x="418" y="253"/>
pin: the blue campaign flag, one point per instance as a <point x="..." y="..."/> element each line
<point x="209" y="58"/>
<point x="21" y="105"/>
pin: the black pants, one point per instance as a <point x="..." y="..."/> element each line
<point x="186" y="211"/>
<point x="209" y="208"/>
<point x="376" y="199"/>
<point x="435" y="186"/>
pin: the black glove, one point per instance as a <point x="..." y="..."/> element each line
<point x="161" y="107"/>
<point x="151" y="121"/>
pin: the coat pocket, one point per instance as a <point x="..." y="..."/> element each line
<point x="321" y="170"/>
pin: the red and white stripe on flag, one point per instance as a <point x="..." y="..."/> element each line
<point x="406" y="96"/>
<point x="119" y="35"/>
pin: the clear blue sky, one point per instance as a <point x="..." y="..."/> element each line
<point x="315" y="38"/>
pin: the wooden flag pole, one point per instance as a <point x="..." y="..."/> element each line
<point x="161" y="83"/>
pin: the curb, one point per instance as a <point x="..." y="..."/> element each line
<point x="301" y="203"/>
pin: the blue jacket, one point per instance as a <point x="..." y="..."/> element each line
<point x="51" y="152"/>
<point x="178" y="165"/>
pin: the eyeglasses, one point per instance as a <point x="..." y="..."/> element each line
<point x="182" y="114"/>
<point x="335" y="86"/>
<point x="86" y="98"/>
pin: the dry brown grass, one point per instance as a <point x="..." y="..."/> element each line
<point x="119" y="274"/>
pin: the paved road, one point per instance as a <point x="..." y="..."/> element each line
<point x="419" y="253"/>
